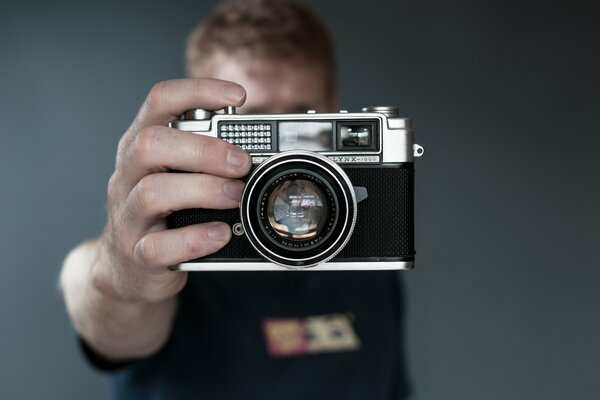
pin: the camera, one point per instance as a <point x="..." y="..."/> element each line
<point x="327" y="191"/>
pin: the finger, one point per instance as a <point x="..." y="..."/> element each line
<point x="159" y="148"/>
<point x="158" y="195"/>
<point x="159" y="250"/>
<point x="169" y="99"/>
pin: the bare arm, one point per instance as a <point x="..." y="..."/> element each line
<point x="115" y="328"/>
<point x="119" y="292"/>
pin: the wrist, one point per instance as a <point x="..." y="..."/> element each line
<point x="116" y="326"/>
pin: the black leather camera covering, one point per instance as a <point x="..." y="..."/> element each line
<point x="384" y="228"/>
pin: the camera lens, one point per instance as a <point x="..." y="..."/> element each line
<point x="297" y="209"/>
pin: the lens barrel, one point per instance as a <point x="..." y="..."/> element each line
<point x="298" y="209"/>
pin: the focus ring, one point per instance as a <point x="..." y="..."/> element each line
<point x="332" y="179"/>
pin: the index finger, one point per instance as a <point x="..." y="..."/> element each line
<point x="167" y="100"/>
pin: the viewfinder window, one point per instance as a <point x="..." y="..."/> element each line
<point x="311" y="136"/>
<point x="356" y="136"/>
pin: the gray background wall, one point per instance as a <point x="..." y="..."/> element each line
<point x="505" y="99"/>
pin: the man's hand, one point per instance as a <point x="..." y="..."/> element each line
<point x="141" y="192"/>
<point x="118" y="288"/>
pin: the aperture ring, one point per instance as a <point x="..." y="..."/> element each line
<point x="310" y="164"/>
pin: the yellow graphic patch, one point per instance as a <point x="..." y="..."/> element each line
<point x="311" y="335"/>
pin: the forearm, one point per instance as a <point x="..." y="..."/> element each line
<point x="115" y="328"/>
<point x="119" y="291"/>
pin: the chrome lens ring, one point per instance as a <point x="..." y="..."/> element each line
<point x="337" y="195"/>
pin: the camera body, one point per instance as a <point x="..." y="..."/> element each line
<point x="327" y="191"/>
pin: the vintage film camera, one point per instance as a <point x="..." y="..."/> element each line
<point x="326" y="191"/>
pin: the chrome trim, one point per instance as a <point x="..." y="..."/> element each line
<point x="418" y="150"/>
<point x="396" y="137"/>
<point x="266" y="266"/>
<point x="265" y="168"/>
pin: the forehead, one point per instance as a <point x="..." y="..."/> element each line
<point x="277" y="86"/>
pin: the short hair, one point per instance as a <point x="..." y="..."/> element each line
<point x="262" y="29"/>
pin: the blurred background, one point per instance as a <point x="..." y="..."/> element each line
<point x="505" y="98"/>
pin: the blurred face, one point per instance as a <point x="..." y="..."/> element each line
<point x="279" y="86"/>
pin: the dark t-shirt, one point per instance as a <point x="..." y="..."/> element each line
<point x="278" y="335"/>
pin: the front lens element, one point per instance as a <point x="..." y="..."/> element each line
<point x="297" y="209"/>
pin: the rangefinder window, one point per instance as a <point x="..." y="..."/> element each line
<point x="311" y="136"/>
<point x="357" y="136"/>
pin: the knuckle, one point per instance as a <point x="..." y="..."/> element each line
<point x="121" y="146"/>
<point x="146" y="192"/>
<point x="145" y="144"/>
<point x="98" y="280"/>
<point x="125" y="141"/>
<point x="112" y="190"/>
<point x="201" y="87"/>
<point x="202" y="149"/>
<point x="202" y="188"/>
<point x="156" y="95"/>
<point x="147" y="251"/>
<point x="211" y="150"/>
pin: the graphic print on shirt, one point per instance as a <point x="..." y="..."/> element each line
<point x="287" y="337"/>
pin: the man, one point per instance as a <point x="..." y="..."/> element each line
<point x="219" y="335"/>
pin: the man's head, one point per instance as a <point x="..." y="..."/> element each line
<point x="280" y="51"/>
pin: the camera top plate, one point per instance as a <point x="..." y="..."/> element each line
<point x="376" y="135"/>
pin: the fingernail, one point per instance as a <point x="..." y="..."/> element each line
<point x="218" y="232"/>
<point x="233" y="189"/>
<point x="233" y="92"/>
<point x="238" y="158"/>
